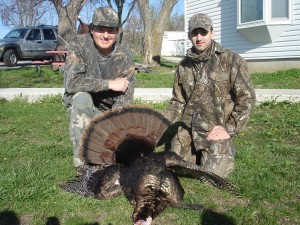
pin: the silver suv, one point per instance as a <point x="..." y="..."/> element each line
<point x="28" y="43"/>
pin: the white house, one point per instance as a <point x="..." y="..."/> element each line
<point x="173" y="43"/>
<point x="265" y="32"/>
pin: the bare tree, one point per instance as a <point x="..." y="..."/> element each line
<point x="134" y="33"/>
<point x="20" y="13"/>
<point x="153" y="29"/>
<point x="120" y="5"/>
<point x="175" y="23"/>
<point x="67" y="19"/>
<point x="123" y="8"/>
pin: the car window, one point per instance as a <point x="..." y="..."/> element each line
<point x="49" y="34"/>
<point x="34" y="34"/>
<point x="18" y="33"/>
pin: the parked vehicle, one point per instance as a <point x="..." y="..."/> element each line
<point x="28" y="43"/>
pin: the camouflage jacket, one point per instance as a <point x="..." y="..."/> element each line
<point x="212" y="89"/>
<point x="86" y="70"/>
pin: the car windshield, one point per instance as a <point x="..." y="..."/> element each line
<point x="18" y="33"/>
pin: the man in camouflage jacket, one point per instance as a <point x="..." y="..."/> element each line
<point x="213" y="97"/>
<point x="99" y="75"/>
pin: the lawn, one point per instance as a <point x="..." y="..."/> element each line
<point x="160" y="77"/>
<point x="36" y="156"/>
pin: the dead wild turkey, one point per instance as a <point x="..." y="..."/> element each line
<point x="118" y="147"/>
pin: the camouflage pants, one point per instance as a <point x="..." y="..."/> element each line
<point x="217" y="158"/>
<point x="81" y="111"/>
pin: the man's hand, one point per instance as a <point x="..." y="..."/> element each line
<point x="118" y="84"/>
<point x="217" y="133"/>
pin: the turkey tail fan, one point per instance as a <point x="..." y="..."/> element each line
<point x="122" y="133"/>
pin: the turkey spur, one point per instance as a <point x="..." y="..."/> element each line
<point x="120" y="158"/>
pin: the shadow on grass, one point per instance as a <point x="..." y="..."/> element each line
<point x="55" y="221"/>
<point x="96" y="223"/>
<point x="210" y="217"/>
<point x="8" y="217"/>
<point x="52" y="221"/>
<point x="168" y="64"/>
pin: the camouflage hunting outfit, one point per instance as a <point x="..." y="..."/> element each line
<point x="210" y="89"/>
<point x="86" y="78"/>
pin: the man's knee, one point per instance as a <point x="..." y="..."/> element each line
<point x="82" y="99"/>
<point x="182" y="145"/>
<point x="219" y="158"/>
<point x="82" y="106"/>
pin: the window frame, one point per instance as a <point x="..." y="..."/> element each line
<point x="267" y="16"/>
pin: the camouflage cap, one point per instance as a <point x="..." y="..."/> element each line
<point x="200" y="20"/>
<point x="105" y="16"/>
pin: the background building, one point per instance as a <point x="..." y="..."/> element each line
<point x="173" y="43"/>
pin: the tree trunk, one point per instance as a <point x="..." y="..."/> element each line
<point x="157" y="37"/>
<point x="67" y="18"/>
<point x="66" y="30"/>
<point x="148" y="59"/>
<point x="159" y="28"/>
<point x="154" y="29"/>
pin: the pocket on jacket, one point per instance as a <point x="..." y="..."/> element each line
<point x="221" y="83"/>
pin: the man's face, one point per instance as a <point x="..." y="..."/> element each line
<point x="104" y="38"/>
<point x="201" y="39"/>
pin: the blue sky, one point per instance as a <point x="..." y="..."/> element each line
<point x="4" y="31"/>
<point x="179" y="7"/>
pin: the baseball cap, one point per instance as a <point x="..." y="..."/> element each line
<point x="200" y="20"/>
<point x="105" y="16"/>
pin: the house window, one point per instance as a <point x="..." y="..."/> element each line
<point x="280" y="9"/>
<point x="252" y="12"/>
<point x="263" y="21"/>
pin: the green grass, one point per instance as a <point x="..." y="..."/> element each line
<point x="28" y="77"/>
<point x="161" y="77"/>
<point x="289" y="79"/>
<point x="36" y="156"/>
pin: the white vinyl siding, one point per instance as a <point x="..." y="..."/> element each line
<point x="224" y="15"/>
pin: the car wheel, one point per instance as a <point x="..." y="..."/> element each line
<point x="10" y="58"/>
